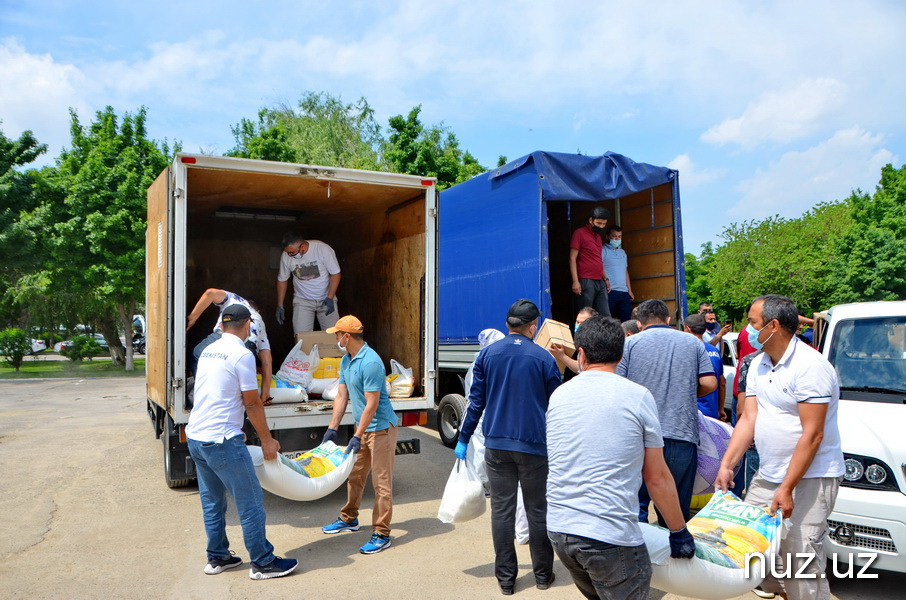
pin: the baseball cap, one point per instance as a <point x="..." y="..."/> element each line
<point x="347" y="324"/>
<point x="235" y="312"/>
<point x="521" y="312"/>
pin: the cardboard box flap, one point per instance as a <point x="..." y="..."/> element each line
<point x="327" y="343"/>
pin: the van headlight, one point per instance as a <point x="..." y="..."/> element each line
<point x="867" y="473"/>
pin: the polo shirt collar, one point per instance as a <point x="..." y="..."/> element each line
<point x="360" y="353"/>
<point x="647" y="327"/>
<point x="787" y="354"/>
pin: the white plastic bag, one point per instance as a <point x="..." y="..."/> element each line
<point x="319" y="386"/>
<point x="330" y="392"/>
<point x="713" y="440"/>
<point x="402" y="383"/>
<point x="463" y="498"/>
<point x="522" y="531"/>
<point x="284" y="478"/>
<point x="298" y="366"/>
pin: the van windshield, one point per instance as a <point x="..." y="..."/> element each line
<point x="870" y="354"/>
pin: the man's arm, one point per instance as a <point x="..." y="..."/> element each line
<point x="629" y="285"/>
<point x="334" y="284"/>
<point x="719" y="336"/>
<point x="255" y="411"/>
<point x="210" y="296"/>
<point x="812" y="416"/>
<point x="267" y="373"/>
<point x="662" y="488"/>
<point x="281" y="291"/>
<point x="706" y="384"/>
<point x="721" y="396"/>
<point x="742" y="438"/>
<point x="372" y="399"/>
<point x="339" y="406"/>
<point x="574" y="271"/>
<point x="559" y="354"/>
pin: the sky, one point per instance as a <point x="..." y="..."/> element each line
<point x="765" y="108"/>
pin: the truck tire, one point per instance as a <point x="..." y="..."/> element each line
<point x="175" y="453"/>
<point x="141" y="348"/>
<point x="450" y="413"/>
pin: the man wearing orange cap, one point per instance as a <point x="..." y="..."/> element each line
<point x="362" y="380"/>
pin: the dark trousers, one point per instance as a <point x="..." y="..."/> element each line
<point x="594" y="294"/>
<point x="506" y="470"/>
<point x="682" y="460"/>
<point x="602" y="570"/>
<point x="620" y="305"/>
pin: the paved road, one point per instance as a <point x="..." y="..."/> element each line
<point x="85" y="513"/>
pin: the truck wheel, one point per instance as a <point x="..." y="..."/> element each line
<point x="450" y="412"/>
<point x="141" y="348"/>
<point x="173" y="475"/>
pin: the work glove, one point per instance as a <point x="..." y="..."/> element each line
<point x="354" y="445"/>
<point x="329" y="436"/>
<point x="682" y="544"/>
<point x="328" y="305"/>
<point x="461" y="449"/>
<point x="281" y="315"/>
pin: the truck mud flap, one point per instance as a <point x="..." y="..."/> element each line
<point x="413" y="446"/>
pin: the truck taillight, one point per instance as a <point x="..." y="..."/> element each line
<point x="415" y="417"/>
<point x="182" y="434"/>
<point x="189" y="160"/>
<point x="427" y="182"/>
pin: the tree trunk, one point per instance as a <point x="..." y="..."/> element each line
<point x="126" y="312"/>
<point x="108" y="329"/>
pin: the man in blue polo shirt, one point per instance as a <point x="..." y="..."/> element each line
<point x="512" y="382"/>
<point x="362" y="380"/>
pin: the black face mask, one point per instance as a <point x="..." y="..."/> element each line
<point x="713" y="327"/>
<point x="597" y="229"/>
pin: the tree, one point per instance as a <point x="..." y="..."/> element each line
<point x="698" y="289"/>
<point x="14" y="345"/>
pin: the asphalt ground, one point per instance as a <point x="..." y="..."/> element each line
<point x="85" y="513"/>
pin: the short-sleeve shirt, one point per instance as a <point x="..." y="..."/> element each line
<point x="668" y="362"/>
<point x="592" y="488"/>
<point x="615" y="265"/>
<point x="708" y="404"/>
<point x="258" y="334"/>
<point x="310" y="271"/>
<point x="226" y="368"/>
<point x="588" y="262"/>
<point x="801" y="375"/>
<point x="366" y="373"/>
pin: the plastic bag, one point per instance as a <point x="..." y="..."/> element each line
<point x="522" y="530"/>
<point x="402" y="383"/>
<point x="319" y="386"/>
<point x="463" y="498"/>
<point x="283" y="392"/>
<point x="298" y="367"/>
<point x="728" y="532"/>
<point x="330" y="392"/>
<point x="713" y="440"/>
<point x="312" y="475"/>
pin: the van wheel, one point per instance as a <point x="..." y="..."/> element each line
<point x="450" y="413"/>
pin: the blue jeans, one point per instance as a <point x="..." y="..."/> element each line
<point x="682" y="460"/>
<point x="602" y="570"/>
<point x="506" y="470"/>
<point x="223" y="468"/>
<point x="620" y="305"/>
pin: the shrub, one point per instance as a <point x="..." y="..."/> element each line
<point x="83" y="346"/>
<point x="14" y="345"/>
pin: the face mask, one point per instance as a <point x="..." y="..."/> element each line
<point x="597" y="229"/>
<point x="713" y="327"/>
<point x="576" y="327"/>
<point x="616" y="243"/>
<point x="753" y="337"/>
<point x="341" y="347"/>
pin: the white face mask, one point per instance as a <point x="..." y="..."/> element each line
<point x="341" y="347"/>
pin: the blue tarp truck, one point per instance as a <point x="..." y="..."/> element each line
<point x="505" y="235"/>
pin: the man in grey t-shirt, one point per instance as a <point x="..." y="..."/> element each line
<point x="593" y="476"/>
<point x="676" y="370"/>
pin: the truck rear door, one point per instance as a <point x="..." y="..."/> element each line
<point x="159" y="289"/>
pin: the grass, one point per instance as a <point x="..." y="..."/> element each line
<point x="43" y="369"/>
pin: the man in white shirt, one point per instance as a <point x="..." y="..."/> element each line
<point x="225" y="390"/>
<point x="792" y="395"/>
<point x="316" y="276"/>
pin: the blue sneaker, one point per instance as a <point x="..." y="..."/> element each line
<point x="339" y="526"/>
<point x="216" y="566"/>
<point x="377" y="543"/>
<point x="278" y="568"/>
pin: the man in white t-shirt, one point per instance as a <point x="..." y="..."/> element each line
<point x="226" y="390"/>
<point x="313" y="266"/>
<point x="792" y="395"/>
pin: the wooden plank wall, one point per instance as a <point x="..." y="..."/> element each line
<point x="156" y="301"/>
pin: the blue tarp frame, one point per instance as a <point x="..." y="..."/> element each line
<point x="494" y="238"/>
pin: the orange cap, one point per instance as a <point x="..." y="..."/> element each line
<point x="347" y="324"/>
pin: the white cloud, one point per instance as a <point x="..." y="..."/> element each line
<point x="689" y="174"/>
<point x="829" y="171"/>
<point x="782" y="116"/>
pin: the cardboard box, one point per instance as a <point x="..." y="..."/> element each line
<point x="558" y="333"/>
<point x="327" y="343"/>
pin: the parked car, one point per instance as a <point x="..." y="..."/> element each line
<point x="866" y="343"/>
<point x="102" y="342"/>
<point x="38" y="346"/>
<point x="730" y="353"/>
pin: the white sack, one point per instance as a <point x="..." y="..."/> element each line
<point x="463" y="498"/>
<point x="279" y="478"/>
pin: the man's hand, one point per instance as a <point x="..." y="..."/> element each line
<point x="354" y="445"/>
<point x="783" y="500"/>
<point x="281" y="315"/>
<point x="328" y="305"/>
<point x="266" y="399"/>
<point x="607" y="284"/>
<point x="682" y="544"/>
<point x="461" y="450"/>
<point x="329" y="436"/>
<point x="722" y="415"/>
<point x="724" y="330"/>
<point x="724" y="480"/>
<point x="631" y="295"/>
<point x="577" y="288"/>
<point x="270" y="448"/>
<point x="557" y="351"/>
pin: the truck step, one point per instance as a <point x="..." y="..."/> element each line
<point x="408" y="447"/>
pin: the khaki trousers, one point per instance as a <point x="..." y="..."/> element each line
<point x="813" y="501"/>
<point x="377" y="454"/>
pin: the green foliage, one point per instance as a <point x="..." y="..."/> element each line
<point x="14" y="345"/>
<point x="698" y="288"/>
<point x="83" y="346"/>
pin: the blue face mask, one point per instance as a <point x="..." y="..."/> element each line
<point x="576" y="326"/>
<point x="753" y="337"/>
<point x="616" y="243"/>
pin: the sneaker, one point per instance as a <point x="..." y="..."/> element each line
<point x="506" y="590"/>
<point x="545" y="585"/>
<point x="339" y="526"/>
<point x="763" y="594"/>
<point x="377" y="543"/>
<point x="278" y="568"/>
<point x="216" y="565"/>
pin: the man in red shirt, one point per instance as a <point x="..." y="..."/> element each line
<point x="590" y="281"/>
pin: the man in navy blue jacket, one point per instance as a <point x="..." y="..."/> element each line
<point x="512" y="382"/>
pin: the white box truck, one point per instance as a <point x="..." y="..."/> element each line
<point x="216" y="222"/>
